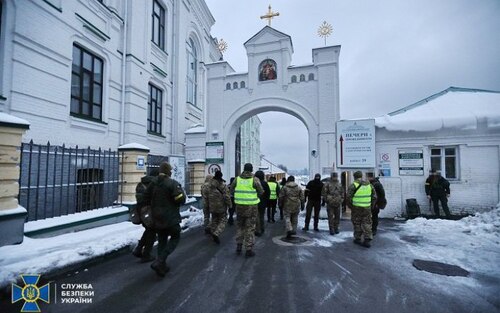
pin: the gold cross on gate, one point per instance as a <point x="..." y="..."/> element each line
<point x="269" y="16"/>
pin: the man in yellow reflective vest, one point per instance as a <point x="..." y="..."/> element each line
<point x="273" y="199"/>
<point x="246" y="189"/>
<point x="361" y="197"/>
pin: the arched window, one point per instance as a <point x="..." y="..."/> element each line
<point x="235" y="85"/>
<point x="228" y="86"/>
<point x="302" y="77"/>
<point x="267" y="70"/>
<point x="294" y="78"/>
<point x="192" y="72"/>
<point x="242" y="84"/>
<point x="311" y="76"/>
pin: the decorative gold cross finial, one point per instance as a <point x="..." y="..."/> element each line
<point x="269" y="15"/>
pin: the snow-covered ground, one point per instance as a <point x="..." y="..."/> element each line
<point x="472" y="243"/>
<point x="38" y="256"/>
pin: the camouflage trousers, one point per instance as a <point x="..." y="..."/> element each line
<point x="362" y="222"/>
<point x="218" y="223"/>
<point x="206" y="217"/>
<point x="246" y="218"/>
<point x="333" y="217"/>
<point x="291" y="220"/>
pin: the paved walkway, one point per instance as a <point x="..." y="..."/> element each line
<point x="330" y="274"/>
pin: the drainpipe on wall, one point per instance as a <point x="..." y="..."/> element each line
<point x="124" y="67"/>
<point x="173" y="94"/>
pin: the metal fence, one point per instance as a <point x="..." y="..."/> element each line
<point x="60" y="180"/>
<point x="154" y="161"/>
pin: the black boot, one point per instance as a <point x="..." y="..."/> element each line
<point x="137" y="252"/>
<point x="216" y="239"/>
<point x="249" y="254"/>
<point x="239" y="247"/>
<point x="160" y="267"/>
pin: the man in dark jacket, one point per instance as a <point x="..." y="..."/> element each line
<point x="264" y="199"/>
<point x="313" y="197"/>
<point x="145" y="245"/>
<point x="437" y="188"/>
<point x="381" y="200"/>
<point x="165" y="195"/>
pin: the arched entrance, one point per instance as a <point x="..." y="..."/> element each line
<point x="308" y="92"/>
<point x="254" y="107"/>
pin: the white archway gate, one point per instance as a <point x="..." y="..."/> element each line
<point x="309" y="92"/>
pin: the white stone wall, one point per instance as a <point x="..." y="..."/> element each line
<point x="36" y="55"/>
<point x="478" y="185"/>
<point x="314" y="102"/>
<point x="250" y="142"/>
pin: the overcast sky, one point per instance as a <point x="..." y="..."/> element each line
<point x="394" y="53"/>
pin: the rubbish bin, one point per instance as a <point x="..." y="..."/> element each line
<point x="412" y="208"/>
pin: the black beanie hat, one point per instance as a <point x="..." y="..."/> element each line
<point x="218" y="175"/>
<point x="248" y="167"/>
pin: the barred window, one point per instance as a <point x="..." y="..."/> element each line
<point x="228" y="86"/>
<point x="86" y="84"/>
<point x="242" y="84"/>
<point x="302" y="77"/>
<point x="158" y="24"/>
<point x="445" y="159"/>
<point x="311" y="76"/>
<point x="294" y="78"/>
<point x="154" y="110"/>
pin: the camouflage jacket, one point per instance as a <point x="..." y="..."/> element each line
<point x="291" y="197"/>
<point x="216" y="196"/>
<point x="333" y="193"/>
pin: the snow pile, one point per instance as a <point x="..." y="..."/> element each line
<point x="472" y="242"/>
<point x="39" y="256"/>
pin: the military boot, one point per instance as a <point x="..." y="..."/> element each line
<point x="239" y="247"/>
<point x="249" y="253"/>
<point x="137" y="252"/>
<point x="366" y="243"/>
<point x="216" y="239"/>
<point x="160" y="267"/>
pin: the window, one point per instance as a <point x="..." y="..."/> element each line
<point x="302" y="77"/>
<point x="311" y="76"/>
<point x="158" y="33"/>
<point x="86" y="84"/>
<point x="294" y="78"/>
<point x="228" y="86"/>
<point x="445" y="159"/>
<point x="235" y="85"/>
<point x="154" y="110"/>
<point x="242" y="84"/>
<point x="192" y="73"/>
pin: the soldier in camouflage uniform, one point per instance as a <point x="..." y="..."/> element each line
<point x="333" y="195"/>
<point x="217" y="199"/>
<point x="246" y="189"/>
<point x="206" y="212"/>
<point x="361" y="197"/>
<point x="291" y="199"/>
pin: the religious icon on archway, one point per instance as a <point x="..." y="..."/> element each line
<point x="267" y="70"/>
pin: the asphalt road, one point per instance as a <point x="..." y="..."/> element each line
<point x="325" y="276"/>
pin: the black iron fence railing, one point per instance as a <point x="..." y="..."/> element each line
<point x="60" y="180"/>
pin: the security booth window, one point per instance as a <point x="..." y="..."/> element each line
<point x="445" y="159"/>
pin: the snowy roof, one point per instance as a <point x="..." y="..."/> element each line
<point x="195" y="130"/>
<point x="13" y="121"/>
<point x="268" y="167"/>
<point x="460" y="108"/>
<point x="133" y="146"/>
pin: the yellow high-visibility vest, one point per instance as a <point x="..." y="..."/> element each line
<point x="273" y="187"/>
<point x="363" y="196"/>
<point x="244" y="192"/>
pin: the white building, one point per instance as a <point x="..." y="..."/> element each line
<point x="250" y="141"/>
<point x="104" y="73"/>
<point x="456" y="131"/>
